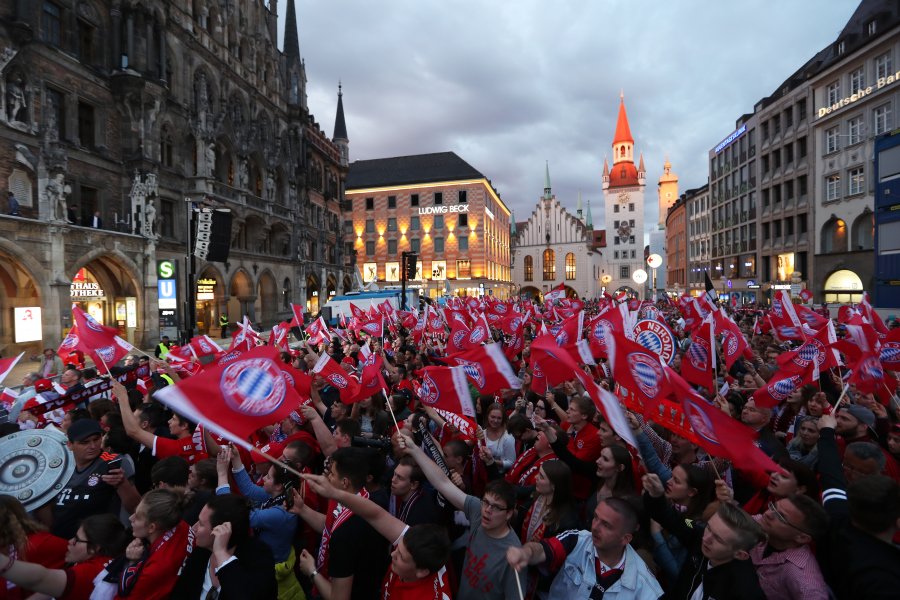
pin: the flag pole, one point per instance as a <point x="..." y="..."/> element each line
<point x="390" y="408"/>
<point x="274" y="460"/>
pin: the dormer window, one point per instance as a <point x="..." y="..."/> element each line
<point x="872" y="27"/>
<point x="840" y="47"/>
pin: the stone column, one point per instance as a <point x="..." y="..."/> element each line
<point x="163" y="64"/>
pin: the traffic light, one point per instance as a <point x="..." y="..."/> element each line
<point x="411" y="266"/>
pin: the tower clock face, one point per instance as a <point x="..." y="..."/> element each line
<point x="623" y="198"/>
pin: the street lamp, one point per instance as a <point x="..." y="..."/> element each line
<point x="639" y="276"/>
<point x="654" y="261"/>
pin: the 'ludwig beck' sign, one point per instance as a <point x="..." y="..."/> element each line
<point x="442" y="210"/>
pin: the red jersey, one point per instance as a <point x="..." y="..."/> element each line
<point x="80" y="578"/>
<point x="431" y="587"/>
<point x="42" y="548"/>
<point x="155" y="577"/>
<point x="586" y="446"/>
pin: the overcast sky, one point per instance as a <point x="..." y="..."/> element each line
<point x="510" y="85"/>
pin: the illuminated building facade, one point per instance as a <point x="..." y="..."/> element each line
<point x="437" y="206"/>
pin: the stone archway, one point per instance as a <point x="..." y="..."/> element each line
<point x="330" y="288"/>
<point x="19" y="289"/>
<point x="266" y="300"/>
<point x="312" y="294"/>
<point x="347" y="286"/>
<point x="210" y="299"/>
<point x="107" y="287"/>
<point x="530" y="292"/>
<point x="242" y="298"/>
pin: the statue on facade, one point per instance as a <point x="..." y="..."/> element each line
<point x="15" y="100"/>
<point x="270" y="188"/>
<point x="243" y="175"/>
<point x="210" y="154"/>
<point x="56" y="192"/>
<point x="149" y="219"/>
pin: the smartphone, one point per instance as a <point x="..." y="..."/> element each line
<point x="115" y="463"/>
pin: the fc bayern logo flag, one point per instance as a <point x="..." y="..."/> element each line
<point x="655" y="337"/>
<point x="237" y="398"/>
<point x="486" y="366"/>
<point x="445" y="387"/>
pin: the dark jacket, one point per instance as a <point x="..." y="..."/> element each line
<point x="855" y="563"/>
<point x="250" y="577"/>
<point x="735" y="580"/>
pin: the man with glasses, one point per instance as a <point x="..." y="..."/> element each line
<point x="485" y="575"/>
<point x="786" y="565"/>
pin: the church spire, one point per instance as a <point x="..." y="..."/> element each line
<point x="291" y="34"/>
<point x="547" y="194"/>
<point x="623" y="131"/>
<point x="512" y="224"/>
<point x="578" y="210"/>
<point x="340" y="129"/>
<point x="588" y="218"/>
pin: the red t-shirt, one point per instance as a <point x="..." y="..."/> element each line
<point x="187" y="448"/>
<point x="586" y="446"/>
<point x="44" y="549"/>
<point x="80" y="578"/>
<point x="159" y="574"/>
<point x="433" y="587"/>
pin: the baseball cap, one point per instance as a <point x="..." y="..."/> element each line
<point x="861" y="413"/>
<point x="82" y="429"/>
<point x="43" y="385"/>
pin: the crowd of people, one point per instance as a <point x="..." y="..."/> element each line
<point x="542" y="494"/>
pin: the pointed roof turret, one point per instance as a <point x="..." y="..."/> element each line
<point x="588" y="218"/>
<point x="623" y="132"/>
<point x="291" y="34"/>
<point x="605" y="167"/>
<point x="512" y="223"/>
<point x="641" y="168"/>
<point x="547" y="194"/>
<point x="340" y="126"/>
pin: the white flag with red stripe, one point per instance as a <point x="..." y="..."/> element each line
<point x="7" y="365"/>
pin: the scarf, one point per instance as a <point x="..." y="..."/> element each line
<point x="403" y="512"/>
<point x="336" y="516"/>
<point x="131" y="573"/>
<point x="533" y="527"/>
<point x="525" y="469"/>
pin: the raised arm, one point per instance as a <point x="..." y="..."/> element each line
<point x="435" y="476"/>
<point x="384" y="523"/>
<point x="323" y="435"/>
<point x="34" y="577"/>
<point x="129" y="419"/>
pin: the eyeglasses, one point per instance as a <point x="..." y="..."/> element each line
<point x="493" y="507"/>
<point x="783" y="519"/>
<point x="78" y="540"/>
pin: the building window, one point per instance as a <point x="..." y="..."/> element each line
<point x="392" y="201"/>
<point x="166" y="148"/>
<point x="167" y="218"/>
<point x="882" y="118"/>
<point x="463" y="197"/>
<point x="631" y="239"/>
<point x="348" y="227"/>
<point x="392" y="224"/>
<point x="801" y="147"/>
<point x="370" y="203"/>
<point x="831" y="140"/>
<point x="549" y="265"/>
<point x="570" y="266"/>
<point x="85" y="41"/>
<point x="631" y="207"/>
<point x="616" y="254"/>
<point x="833" y="188"/>
<point x="463" y="220"/>
<point x="624" y="272"/>
<point x="801" y="109"/>
<point x="854" y="130"/>
<point x="415" y="244"/>
<point x="56" y="103"/>
<point x="528" y="263"/>
<point x="615" y="208"/>
<point x="463" y="269"/>
<point x="857" y="80"/>
<point x="872" y="27"/>
<point x="438" y="222"/>
<point x="856" y="181"/>
<point x="414" y="223"/>
<point x="86" y="125"/>
<point x="438" y="198"/>
<point x="370" y="225"/>
<point x="392" y="248"/>
<point x="463" y="243"/>
<point x="883" y="65"/>
<point x="51" y="24"/>
<point x="632" y="254"/>
<point x="414" y="200"/>
<point x="370" y="248"/>
<point x="833" y="92"/>
<point x="841" y="46"/>
<point x="439" y="245"/>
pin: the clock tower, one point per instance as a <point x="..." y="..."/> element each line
<point x="668" y="192"/>
<point x="623" y="196"/>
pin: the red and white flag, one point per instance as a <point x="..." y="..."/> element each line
<point x="734" y="344"/>
<point x="203" y="345"/>
<point x="348" y="387"/>
<point x="557" y="293"/>
<point x="609" y="406"/>
<point x="68" y="345"/>
<point x="235" y="399"/>
<point x="297" y="321"/>
<point x="371" y="381"/>
<point x="101" y="343"/>
<point x="7" y="365"/>
<point x="697" y="364"/>
<point x="446" y="388"/>
<point x="637" y="369"/>
<point x="8" y="397"/>
<point x="487" y="368"/>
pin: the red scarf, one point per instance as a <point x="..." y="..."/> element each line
<point x="336" y="516"/>
<point x="524" y="471"/>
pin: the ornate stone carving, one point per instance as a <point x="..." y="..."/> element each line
<point x="56" y="192"/>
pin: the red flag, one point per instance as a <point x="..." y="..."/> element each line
<point x="346" y="385"/>
<point x="203" y="345"/>
<point x="297" y="321"/>
<point x="810" y="317"/>
<point x="816" y="352"/>
<point x="602" y="326"/>
<point x="371" y="380"/>
<point x="445" y="387"/>
<point x="608" y="405"/>
<point x="734" y="344"/>
<point x="557" y="293"/>
<point x="487" y="368"/>
<point x="7" y="365"/>
<point x="8" y="397"/>
<point x="637" y="369"/>
<point x="717" y="433"/>
<point x="779" y="388"/>
<point x="467" y="427"/>
<point x="806" y="295"/>
<point x="871" y="316"/>
<point x="356" y="312"/>
<point x="68" y="345"/>
<point x="278" y="337"/>
<point x="890" y="350"/>
<point x="557" y="364"/>
<point x="697" y="362"/>
<point x="101" y="343"/>
<point x="235" y="399"/>
<point x="373" y="327"/>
